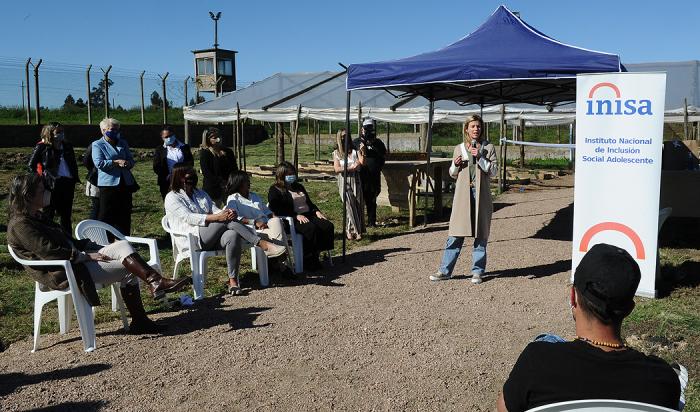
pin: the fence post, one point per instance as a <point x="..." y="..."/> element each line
<point x="165" y="98"/>
<point x="36" y="92"/>
<point x="106" y="89"/>
<point x="29" y="95"/>
<point x="89" y="100"/>
<point x="186" y="80"/>
<point x="143" y="104"/>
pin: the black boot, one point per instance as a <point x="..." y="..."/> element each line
<point x="158" y="285"/>
<point x="140" y="323"/>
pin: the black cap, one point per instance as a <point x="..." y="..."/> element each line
<point x="607" y="277"/>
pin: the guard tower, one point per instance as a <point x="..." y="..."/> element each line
<point x="215" y="68"/>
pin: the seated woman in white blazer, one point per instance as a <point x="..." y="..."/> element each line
<point x="192" y="210"/>
<point x="251" y="209"/>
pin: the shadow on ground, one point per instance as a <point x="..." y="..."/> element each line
<point x="330" y="275"/>
<point x="685" y="275"/>
<point x="10" y="382"/>
<point x="74" y="406"/>
<point x="538" y="271"/>
<point x="561" y="227"/>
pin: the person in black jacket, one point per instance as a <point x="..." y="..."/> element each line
<point x="54" y="158"/>
<point x="217" y="162"/>
<point x="287" y="197"/>
<point x="374" y="153"/>
<point x="91" y="189"/>
<point x="167" y="155"/>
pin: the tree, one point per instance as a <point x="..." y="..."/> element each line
<point x="69" y="102"/>
<point x="156" y="100"/>
<point x="79" y="102"/>
<point x="97" y="95"/>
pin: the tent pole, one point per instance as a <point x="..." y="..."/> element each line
<point x="685" y="119"/>
<point x="501" y="145"/>
<point x="521" y="137"/>
<point x="428" y="151"/>
<point x="295" y="143"/>
<point x="345" y="173"/>
<point x="388" y="137"/>
<point x="238" y="137"/>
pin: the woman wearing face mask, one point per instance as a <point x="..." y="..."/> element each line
<point x="35" y="238"/>
<point x="216" y="162"/>
<point x="251" y="210"/>
<point x="54" y="158"/>
<point x="167" y="155"/>
<point x="192" y="210"/>
<point x="113" y="160"/>
<point x="353" y="187"/>
<point x="287" y="197"/>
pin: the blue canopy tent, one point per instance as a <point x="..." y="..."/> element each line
<point x="504" y="60"/>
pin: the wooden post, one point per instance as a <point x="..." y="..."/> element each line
<point x="685" y="117"/>
<point x="89" y="102"/>
<point x="388" y="137"/>
<point x="239" y="128"/>
<point x="521" y="137"/>
<point x="295" y="142"/>
<point x="359" y="118"/>
<point x="280" y="143"/>
<point x="187" y="132"/>
<point x="143" y="102"/>
<point x="187" y="79"/>
<point x="502" y="160"/>
<point x="29" y="95"/>
<point x="36" y="93"/>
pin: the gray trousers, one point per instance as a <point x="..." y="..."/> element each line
<point x="230" y="237"/>
<point x="113" y="271"/>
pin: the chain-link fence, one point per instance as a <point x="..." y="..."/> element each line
<point x="75" y="93"/>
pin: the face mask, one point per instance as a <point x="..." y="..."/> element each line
<point x="47" y="198"/>
<point x="112" y="134"/>
<point x="191" y="181"/>
<point x="58" y="137"/>
<point x="170" y="140"/>
<point x="217" y="140"/>
<point x="290" y="179"/>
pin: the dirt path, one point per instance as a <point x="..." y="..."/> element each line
<point x="376" y="335"/>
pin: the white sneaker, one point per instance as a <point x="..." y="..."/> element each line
<point x="476" y="278"/>
<point x="439" y="276"/>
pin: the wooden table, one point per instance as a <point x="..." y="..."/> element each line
<point x="400" y="183"/>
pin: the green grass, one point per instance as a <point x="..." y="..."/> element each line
<point x="550" y="163"/>
<point x="17" y="289"/>
<point x="17" y="116"/>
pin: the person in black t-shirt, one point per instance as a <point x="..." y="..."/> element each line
<point x="597" y="364"/>
<point x="374" y="153"/>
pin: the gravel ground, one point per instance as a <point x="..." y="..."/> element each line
<point x="373" y="334"/>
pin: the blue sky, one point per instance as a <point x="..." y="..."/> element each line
<point x="286" y="36"/>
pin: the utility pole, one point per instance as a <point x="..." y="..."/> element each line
<point x="21" y="93"/>
<point x="89" y="100"/>
<point x="106" y="89"/>
<point x="216" y="18"/>
<point x="36" y="92"/>
<point x="29" y="96"/>
<point x="165" y="98"/>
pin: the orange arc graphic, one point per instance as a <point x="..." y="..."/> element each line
<point x="618" y="227"/>
<point x="604" y="84"/>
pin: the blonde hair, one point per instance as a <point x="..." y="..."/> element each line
<point x="47" y="132"/>
<point x="108" y="122"/>
<point x="339" y="143"/>
<point x="206" y="143"/>
<point x="472" y="118"/>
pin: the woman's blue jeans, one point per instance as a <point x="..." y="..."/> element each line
<point x="452" y="249"/>
<point x="454" y="246"/>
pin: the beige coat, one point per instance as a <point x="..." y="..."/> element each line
<point x="486" y="168"/>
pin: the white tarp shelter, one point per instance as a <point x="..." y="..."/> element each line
<point x="322" y="96"/>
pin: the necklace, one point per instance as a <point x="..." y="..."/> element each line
<point x="601" y="343"/>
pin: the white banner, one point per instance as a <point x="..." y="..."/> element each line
<point x="619" y="137"/>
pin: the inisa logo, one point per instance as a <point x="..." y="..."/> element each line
<point x="617" y="106"/>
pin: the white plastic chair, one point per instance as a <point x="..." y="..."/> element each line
<point x="298" y="246"/>
<point x="96" y="231"/>
<point x="600" y="405"/>
<point x="198" y="259"/>
<point x="66" y="298"/>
